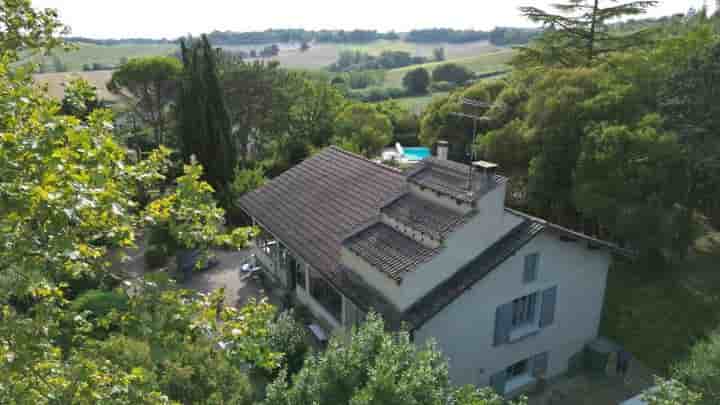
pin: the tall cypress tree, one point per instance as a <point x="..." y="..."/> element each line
<point x="204" y="122"/>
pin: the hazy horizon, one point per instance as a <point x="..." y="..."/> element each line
<point x="158" y="19"/>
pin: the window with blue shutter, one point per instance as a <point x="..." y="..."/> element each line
<point x="503" y="323"/>
<point x="547" y="307"/>
<point x="540" y="364"/>
<point x="531" y="267"/>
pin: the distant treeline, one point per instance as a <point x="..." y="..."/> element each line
<point x="125" y="41"/>
<point x="498" y="36"/>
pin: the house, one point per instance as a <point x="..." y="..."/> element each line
<point x="508" y="297"/>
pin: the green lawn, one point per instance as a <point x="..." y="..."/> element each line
<point x="659" y="315"/>
<point x="483" y="63"/>
<point x="110" y="55"/>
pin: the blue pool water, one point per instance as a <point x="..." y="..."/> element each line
<point x="417" y="153"/>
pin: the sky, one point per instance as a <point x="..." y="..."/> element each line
<point x="174" y="18"/>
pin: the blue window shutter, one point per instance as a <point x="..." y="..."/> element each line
<point x="540" y="364"/>
<point x="531" y="267"/>
<point x="497" y="381"/>
<point x="503" y="323"/>
<point x="547" y="310"/>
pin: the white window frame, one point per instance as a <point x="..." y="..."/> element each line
<point x="530" y="326"/>
<point x="520" y="380"/>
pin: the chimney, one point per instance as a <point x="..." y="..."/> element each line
<point x="442" y="150"/>
<point x="486" y="172"/>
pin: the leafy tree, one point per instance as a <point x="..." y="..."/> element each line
<point x="304" y="46"/>
<point x="259" y="98"/>
<point x="28" y="29"/>
<point x="439" y="54"/>
<point x="150" y="85"/>
<point x="451" y="72"/>
<point x="672" y="392"/>
<point x="700" y="372"/>
<point x="192" y="218"/>
<point x="580" y="33"/>
<point x="416" y="81"/>
<point x="374" y="367"/>
<point x="641" y="170"/>
<point x="247" y="180"/>
<point x="362" y="129"/>
<point x="80" y="99"/>
<point x="204" y="124"/>
<point x="688" y="100"/>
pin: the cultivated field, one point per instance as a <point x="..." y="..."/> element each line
<point x="55" y="82"/>
<point x="109" y="55"/>
<point x="482" y="63"/>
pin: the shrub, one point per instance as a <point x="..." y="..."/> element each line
<point x="156" y="256"/>
<point x="442" y="86"/>
<point x="100" y="303"/>
<point x="452" y="72"/>
<point x="416" y="81"/>
<point x="288" y="336"/>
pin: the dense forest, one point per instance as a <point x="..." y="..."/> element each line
<point x="610" y="131"/>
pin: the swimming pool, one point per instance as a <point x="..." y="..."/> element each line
<point x="416" y="153"/>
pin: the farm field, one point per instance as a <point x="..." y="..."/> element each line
<point x="109" y="55"/>
<point x="55" y="82"/>
<point x="318" y="56"/>
<point x="482" y="63"/>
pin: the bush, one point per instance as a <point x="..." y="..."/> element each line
<point x="288" y="336"/>
<point x="442" y="86"/>
<point x="156" y="256"/>
<point x="452" y="72"/>
<point x="417" y="81"/>
<point x="100" y="303"/>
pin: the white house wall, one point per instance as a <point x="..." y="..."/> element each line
<point x="465" y="329"/>
<point x="461" y="247"/>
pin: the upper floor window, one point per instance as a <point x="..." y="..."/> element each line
<point x="531" y="267"/>
<point x="523" y="310"/>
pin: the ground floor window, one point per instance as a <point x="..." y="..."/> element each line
<point x="300" y="274"/>
<point x="517" y="370"/>
<point x="326" y="295"/>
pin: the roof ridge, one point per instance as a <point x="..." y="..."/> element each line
<point x="361" y="157"/>
<point x="612" y="246"/>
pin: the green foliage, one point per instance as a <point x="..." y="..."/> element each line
<point x="451" y="72"/>
<point x="288" y="336"/>
<point x="372" y="367"/>
<point x="579" y="33"/>
<point x="700" y="372"/>
<point x="247" y="180"/>
<point x="361" y="128"/>
<point x="204" y="126"/>
<point x="439" y="86"/>
<point x="416" y="81"/>
<point x="80" y="99"/>
<point x="150" y="86"/>
<point x="156" y="256"/>
<point x="507" y="146"/>
<point x="672" y="392"/>
<point x="192" y="217"/>
<point x="26" y="28"/>
<point x="100" y="303"/>
<point x="439" y="54"/>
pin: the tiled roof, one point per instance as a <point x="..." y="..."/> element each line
<point x="424" y="216"/>
<point x="314" y="205"/>
<point x="388" y="250"/>
<point x="450" y="178"/>
<point x="484" y="263"/>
